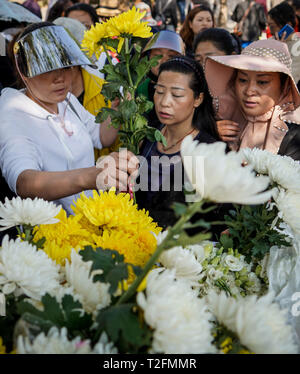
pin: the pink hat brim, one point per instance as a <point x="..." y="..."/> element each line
<point x="219" y="71"/>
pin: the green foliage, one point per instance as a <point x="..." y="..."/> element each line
<point x="69" y="313"/>
<point x="124" y="327"/>
<point x="111" y="263"/>
<point x="251" y="231"/>
<point x="7" y="322"/>
<point x="122" y="81"/>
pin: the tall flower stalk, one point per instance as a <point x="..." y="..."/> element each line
<point x="125" y="36"/>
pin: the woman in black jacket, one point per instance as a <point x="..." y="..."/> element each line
<point x="184" y="107"/>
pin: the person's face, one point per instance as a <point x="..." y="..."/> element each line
<point x="50" y="88"/>
<point x="257" y="92"/>
<point x="274" y="27"/>
<point x="174" y="99"/>
<point x="166" y="55"/>
<point x="202" y="21"/>
<point x="82" y="17"/>
<point x="205" y="49"/>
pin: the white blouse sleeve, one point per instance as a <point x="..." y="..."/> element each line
<point x="88" y="120"/>
<point x="17" y="154"/>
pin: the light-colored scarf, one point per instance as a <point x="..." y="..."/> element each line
<point x="268" y="130"/>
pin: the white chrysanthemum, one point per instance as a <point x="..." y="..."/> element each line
<point x="179" y="318"/>
<point x="288" y="203"/>
<point x="19" y="211"/>
<point x="55" y="342"/>
<point x="213" y="274"/>
<point x="94" y="296"/>
<point x="282" y="170"/>
<point x="104" y="346"/>
<point x="259" y="322"/>
<point x="233" y="263"/>
<point x="183" y="262"/>
<point x="30" y="269"/>
<point x="220" y="177"/>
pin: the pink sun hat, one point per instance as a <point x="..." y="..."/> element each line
<point x="263" y="55"/>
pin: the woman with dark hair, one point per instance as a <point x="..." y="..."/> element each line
<point x="214" y="42"/>
<point x="281" y="15"/>
<point x="47" y="138"/>
<point x="184" y="107"/>
<point x="198" y="19"/>
<point x="84" y="13"/>
<point x="58" y="9"/>
<point x="166" y="44"/>
<point x="278" y="17"/>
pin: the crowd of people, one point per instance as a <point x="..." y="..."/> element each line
<point x="237" y="86"/>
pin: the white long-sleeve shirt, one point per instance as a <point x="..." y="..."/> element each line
<point x="33" y="138"/>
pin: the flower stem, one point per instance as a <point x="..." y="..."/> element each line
<point x="167" y="243"/>
<point x="127" y="57"/>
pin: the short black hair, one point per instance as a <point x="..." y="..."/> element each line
<point x="221" y="39"/>
<point x="282" y="14"/>
<point x="85" y="8"/>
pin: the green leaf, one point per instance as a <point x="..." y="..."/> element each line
<point x="179" y="209"/>
<point x="226" y="241"/>
<point x="112" y="264"/>
<point x="111" y="91"/>
<point x="69" y="314"/>
<point x="184" y="239"/>
<point x="105" y="113"/>
<point x="144" y="105"/>
<point x="198" y="223"/>
<point x="124" y="328"/>
<point x="139" y="122"/>
<point x="128" y="109"/>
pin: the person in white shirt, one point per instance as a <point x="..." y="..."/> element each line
<point x="47" y="138"/>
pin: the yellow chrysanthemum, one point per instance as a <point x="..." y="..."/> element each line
<point x="111" y="211"/>
<point x="128" y="24"/>
<point x="136" y="249"/>
<point x="2" y="347"/>
<point x="61" y="237"/>
<point x="226" y="345"/>
<point x="93" y="39"/>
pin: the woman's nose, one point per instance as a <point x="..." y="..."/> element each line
<point x="165" y="100"/>
<point x="59" y="75"/>
<point x="251" y="88"/>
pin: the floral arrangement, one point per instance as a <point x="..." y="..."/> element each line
<point x="125" y="36"/>
<point x="103" y="280"/>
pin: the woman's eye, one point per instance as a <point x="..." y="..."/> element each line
<point x="263" y="82"/>
<point x="177" y="95"/>
<point x="242" y="80"/>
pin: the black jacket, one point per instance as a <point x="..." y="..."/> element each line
<point x="254" y="23"/>
<point x="159" y="204"/>
<point x="290" y="145"/>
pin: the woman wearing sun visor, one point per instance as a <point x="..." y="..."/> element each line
<point x="47" y="138"/>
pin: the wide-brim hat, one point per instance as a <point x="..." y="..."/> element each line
<point x="166" y="39"/>
<point x="107" y="11"/>
<point x="263" y="55"/>
<point x="46" y="49"/>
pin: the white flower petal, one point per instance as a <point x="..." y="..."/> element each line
<point x="259" y="322"/>
<point x="27" y="212"/>
<point x="30" y="269"/>
<point x="179" y="318"/>
<point x="220" y="177"/>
